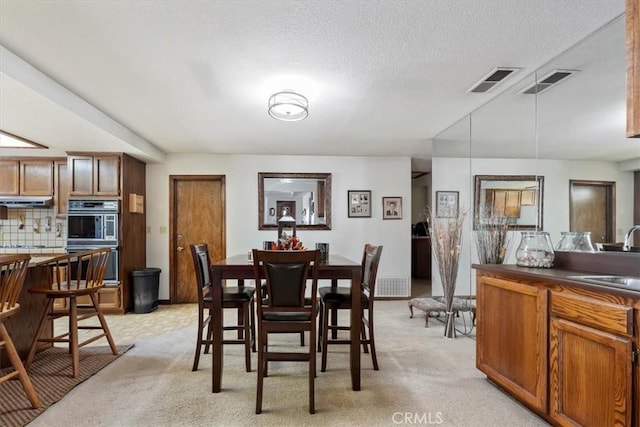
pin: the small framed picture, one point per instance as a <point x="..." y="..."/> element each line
<point x="359" y="203"/>
<point x="446" y="204"/>
<point x="392" y="208"/>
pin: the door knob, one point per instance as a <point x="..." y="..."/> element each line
<point x="180" y="248"/>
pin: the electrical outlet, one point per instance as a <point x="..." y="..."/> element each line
<point x="148" y="229"/>
<point x="163" y="229"/>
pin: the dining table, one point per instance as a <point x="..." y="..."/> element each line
<point x="240" y="267"/>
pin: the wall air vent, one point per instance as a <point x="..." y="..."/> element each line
<point x="492" y="79"/>
<point x="547" y="81"/>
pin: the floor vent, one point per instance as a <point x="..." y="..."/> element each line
<point x="547" y="81"/>
<point x="393" y="287"/>
<point x="491" y="80"/>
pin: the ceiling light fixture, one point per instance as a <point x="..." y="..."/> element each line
<point x="9" y="140"/>
<point x="288" y="106"/>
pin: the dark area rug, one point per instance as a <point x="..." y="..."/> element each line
<point x="51" y="377"/>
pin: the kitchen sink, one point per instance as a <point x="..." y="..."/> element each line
<point x="626" y="282"/>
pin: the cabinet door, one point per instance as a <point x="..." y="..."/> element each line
<point x="511" y="346"/>
<point x="36" y="178"/>
<point x="9" y="178"/>
<point x="590" y="375"/>
<point x="61" y="188"/>
<point x="80" y="175"/>
<point x="106" y="175"/>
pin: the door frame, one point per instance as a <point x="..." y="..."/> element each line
<point x="173" y="246"/>
<point x="610" y="187"/>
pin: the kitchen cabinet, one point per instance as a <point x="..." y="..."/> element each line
<point x="94" y="175"/>
<point x="590" y="365"/>
<point x="61" y="188"/>
<point x="26" y="177"/>
<point x="503" y="202"/>
<point x="511" y="345"/>
<point x="633" y="68"/>
<point x="567" y="351"/>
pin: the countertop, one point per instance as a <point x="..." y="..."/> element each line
<point x="557" y="275"/>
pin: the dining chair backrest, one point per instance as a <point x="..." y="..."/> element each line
<point x="202" y="265"/>
<point x="13" y="271"/>
<point x="370" y="261"/>
<point x="286" y="274"/>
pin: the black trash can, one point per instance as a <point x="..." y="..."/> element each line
<point x="145" y="289"/>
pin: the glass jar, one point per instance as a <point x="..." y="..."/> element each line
<point x="584" y="243"/>
<point x="535" y="250"/>
<point x="568" y="241"/>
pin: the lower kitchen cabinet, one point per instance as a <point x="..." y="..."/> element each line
<point x="568" y="353"/>
<point x="590" y="362"/>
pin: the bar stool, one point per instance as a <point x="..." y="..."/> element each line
<point x="13" y="271"/>
<point x="72" y="276"/>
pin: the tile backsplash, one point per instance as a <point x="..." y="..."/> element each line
<point x="33" y="227"/>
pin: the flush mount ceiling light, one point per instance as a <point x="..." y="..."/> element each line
<point x="9" y="140"/>
<point x="288" y="106"/>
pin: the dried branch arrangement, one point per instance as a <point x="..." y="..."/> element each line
<point x="446" y="243"/>
<point x="492" y="238"/>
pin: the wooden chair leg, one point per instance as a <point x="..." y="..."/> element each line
<point x="247" y="336"/>
<point x="103" y="323"/>
<point x="320" y="317"/>
<point x="334" y="322"/>
<point x="73" y="336"/>
<point x="312" y="373"/>
<point x="14" y="358"/>
<point x="39" y="330"/>
<point x="252" y="319"/>
<point x="196" y="357"/>
<point x="325" y="336"/>
<point x="260" y="370"/>
<point x="372" y="342"/>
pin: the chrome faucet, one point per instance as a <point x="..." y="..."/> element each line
<point x="627" y="238"/>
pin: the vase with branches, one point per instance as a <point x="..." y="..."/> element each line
<point x="446" y="243"/>
<point x="492" y="238"/>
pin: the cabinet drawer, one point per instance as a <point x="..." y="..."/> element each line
<point x="601" y="315"/>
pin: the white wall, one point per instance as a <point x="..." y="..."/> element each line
<point x="383" y="176"/>
<point x="455" y="174"/>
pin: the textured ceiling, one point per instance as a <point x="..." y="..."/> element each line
<point x="382" y="77"/>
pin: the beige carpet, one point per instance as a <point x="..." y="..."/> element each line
<point x="51" y="378"/>
<point x="423" y="379"/>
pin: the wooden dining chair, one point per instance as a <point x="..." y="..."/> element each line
<point x="71" y="277"/>
<point x="13" y="271"/>
<point x="240" y="298"/>
<point x="284" y="309"/>
<point x="334" y="298"/>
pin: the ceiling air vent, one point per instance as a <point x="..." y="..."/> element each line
<point x="547" y="81"/>
<point x="489" y="81"/>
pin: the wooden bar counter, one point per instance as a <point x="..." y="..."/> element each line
<point x="22" y="326"/>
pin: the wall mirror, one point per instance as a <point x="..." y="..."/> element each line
<point x="304" y="196"/>
<point x="518" y="198"/>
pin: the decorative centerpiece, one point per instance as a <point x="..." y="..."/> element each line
<point x="446" y="242"/>
<point x="535" y="250"/>
<point x="289" y="243"/>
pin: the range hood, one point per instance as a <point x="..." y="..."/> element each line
<point x="26" y="201"/>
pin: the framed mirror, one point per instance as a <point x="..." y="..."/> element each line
<point x="516" y="197"/>
<point x="304" y="196"/>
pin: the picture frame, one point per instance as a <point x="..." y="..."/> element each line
<point x="447" y="204"/>
<point x="392" y="208"/>
<point x="359" y="203"/>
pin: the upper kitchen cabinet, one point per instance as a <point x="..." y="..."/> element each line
<point x="61" y="182"/>
<point x="633" y="68"/>
<point x="26" y="177"/>
<point x="94" y="174"/>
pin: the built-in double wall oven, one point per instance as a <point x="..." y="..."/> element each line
<point x="93" y="224"/>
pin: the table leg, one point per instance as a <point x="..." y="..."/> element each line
<point x="356" y="325"/>
<point x="216" y="320"/>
